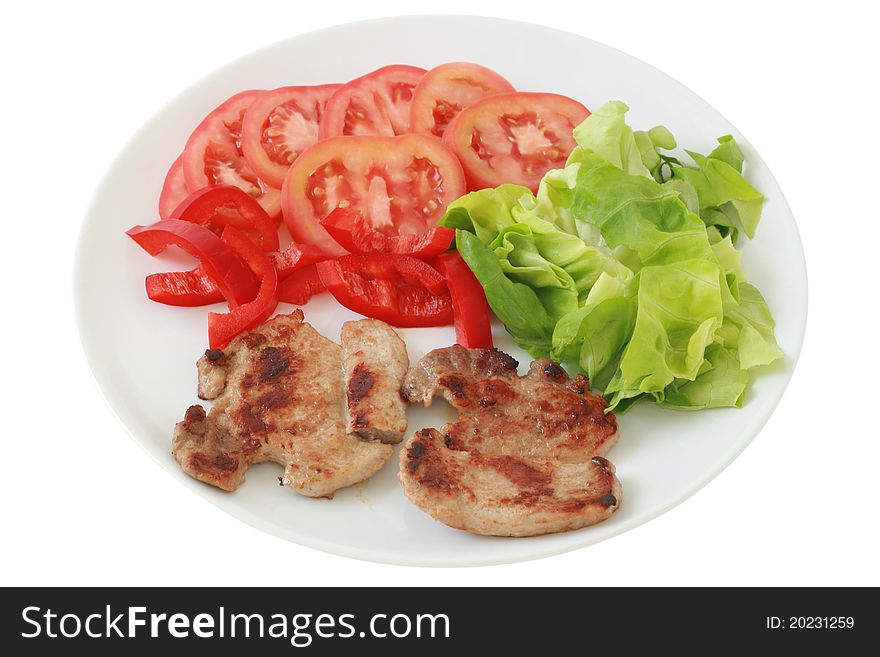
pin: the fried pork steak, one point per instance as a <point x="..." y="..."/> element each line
<point x="375" y="361"/>
<point x="524" y="457"/>
<point x="280" y="395"/>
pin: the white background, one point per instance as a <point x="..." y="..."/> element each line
<point x="82" y="504"/>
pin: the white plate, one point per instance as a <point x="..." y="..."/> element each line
<point x="142" y="354"/>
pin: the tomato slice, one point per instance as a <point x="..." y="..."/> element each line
<point x="514" y="137"/>
<point x="354" y="234"/>
<point x="473" y="328"/>
<point x="223" y="327"/>
<point x="401" y="185"/>
<point x="220" y="263"/>
<point x="213" y="155"/>
<point x="300" y="286"/>
<point x="374" y="104"/>
<point x="279" y="125"/>
<point x="173" y="190"/>
<point x="447" y="89"/>
<point x="397" y="289"/>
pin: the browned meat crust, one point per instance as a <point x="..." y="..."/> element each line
<point x="279" y="397"/>
<point x="374" y="362"/>
<point x="524" y="457"/>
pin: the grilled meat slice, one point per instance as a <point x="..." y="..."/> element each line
<point x="504" y="495"/>
<point x="279" y="397"/>
<point x="374" y="361"/>
<point x="524" y="457"/>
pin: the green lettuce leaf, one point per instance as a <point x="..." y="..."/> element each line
<point x="728" y="151"/>
<point x="605" y="331"/>
<point x="679" y="310"/>
<point x="650" y="143"/>
<point x="722" y="221"/>
<point x="606" y="134"/>
<point x="565" y="260"/>
<point x="639" y="213"/>
<point x="721" y="382"/>
<point x="687" y="193"/>
<point x="728" y="257"/>
<point x="748" y="329"/>
<point x="721" y="186"/>
<point x="485" y="212"/>
<point x="559" y="267"/>
<point x="515" y="304"/>
<point x="594" y="335"/>
<point x="624" y="265"/>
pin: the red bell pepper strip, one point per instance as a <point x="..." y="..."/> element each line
<point x="397" y="289"/>
<point x="296" y="256"/>
<point x="233" y="278"/>
<point x="196" y="288"/>
<point x="217" y="206"/>
<point x="223" y="327"/>
<point x="183" y="288"/>
<point x="354" y="234"/>
<point x="296" y="285"/>
<point x="300" y="286"/>
<point x="473" y="328"/>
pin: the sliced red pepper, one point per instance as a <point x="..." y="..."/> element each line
<point x="217" y="206"/>
<point x="354" y="234"/>
<point x="183" y="288"/>
<point x="473" y="328"/>
<point x="300" y="286"/>
<point x="397" y="289"/>
<point x="196" y="288"/>
<point x="223" y="327"/>
<point x="234" y="279"/>
<point x="296" y="256"/>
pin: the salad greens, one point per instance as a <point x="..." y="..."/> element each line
<point x="624" y="265"/>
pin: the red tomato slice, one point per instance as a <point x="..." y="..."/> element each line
<point x="514" y="137"/>
<point x="447" y="89"/>
<point x="351" y="231"/>
<point x="396" y="289"/>
<point x="375" y="104"/>
<point x="279" y="125"/>
<point x="174" y="189"/>
<point x="213" y="155"/>
<point x="401" y="185"/>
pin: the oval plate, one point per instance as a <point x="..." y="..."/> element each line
<point x="142" y="354"/>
